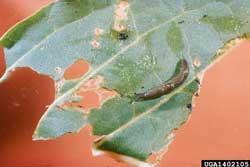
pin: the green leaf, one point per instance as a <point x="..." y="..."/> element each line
<point x="158" y="35"/>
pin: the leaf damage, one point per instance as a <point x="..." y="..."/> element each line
<point x="90" y="95"/>
<point x="114" y="69"/>
<point x="121" y="16"/>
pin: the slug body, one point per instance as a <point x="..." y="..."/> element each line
<point x="181" y="74"/>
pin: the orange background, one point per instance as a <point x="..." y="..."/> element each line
<point x="218" y="129"/>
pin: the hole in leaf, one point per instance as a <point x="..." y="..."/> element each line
<point x="121" y="16"/>
<point x="91" y="94"/>
<point x="197" y="62"/>
<point x="98" y="32"/>
<point x="88" y="101"/>
<point x="95" y="44"/>
<point x="76" y="70"/>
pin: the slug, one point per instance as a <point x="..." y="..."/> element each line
<point x="180" y="75"/>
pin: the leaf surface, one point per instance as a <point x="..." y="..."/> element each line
<point x="160" y="34"/>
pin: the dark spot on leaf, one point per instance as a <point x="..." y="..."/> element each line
<point x="180" y="22"/>
<point x="189" y="106"/>
<point x="204" y="16"/>
<point x="79" y="106"/>
<point x="198" y="81"/>
<point x="122" y="36"/>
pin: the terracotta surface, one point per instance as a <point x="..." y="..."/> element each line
<point x="218" y="129"/>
